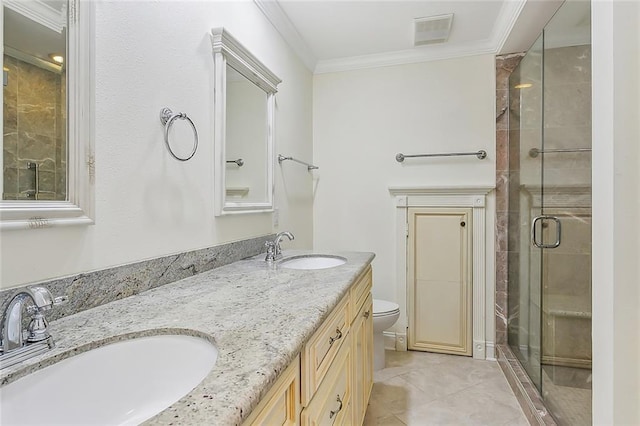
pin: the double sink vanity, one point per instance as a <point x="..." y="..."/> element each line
<point x="252" y="342"/>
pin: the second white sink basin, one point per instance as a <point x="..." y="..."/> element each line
<point x="123" y="383"/>
<point x="315" y="261"/>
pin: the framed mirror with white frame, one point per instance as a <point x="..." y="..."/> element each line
<point x="47" y="101"/>
<point x="244" y="113"/>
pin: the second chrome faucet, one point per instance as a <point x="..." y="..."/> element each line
<point x="274" y="251"/>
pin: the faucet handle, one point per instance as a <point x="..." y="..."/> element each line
<point x="271" y="251"/>
<point x="60" y="300"/>
<point x="37" y="330"/>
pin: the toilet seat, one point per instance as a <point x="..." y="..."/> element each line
<point x="383" y="308"/>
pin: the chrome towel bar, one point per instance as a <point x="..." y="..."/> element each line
<point x="282" y="158"/>
<point x="167" y="117"/>
<point x="482" y="154"/>
<point x="534" y="152"/>
<point x="239" y="162"/>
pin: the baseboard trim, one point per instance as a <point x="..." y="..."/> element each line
<point x="389" y="340"/>
<point x="491" y="352"/>
<point x="395" y="341"/>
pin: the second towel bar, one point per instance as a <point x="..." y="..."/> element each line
<point x="239" y="162"/>
<point x="482" y="154"/>
<point x="534" y="152"/>
<point x="282" y="158"/>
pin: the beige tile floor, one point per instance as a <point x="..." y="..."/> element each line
<point x="420" y="388"/>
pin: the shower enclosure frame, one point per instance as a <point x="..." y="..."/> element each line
<point x="549" y="232"/>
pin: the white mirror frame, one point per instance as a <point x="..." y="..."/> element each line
<point x="227" y="50"/>
<point x="79" y="207"/>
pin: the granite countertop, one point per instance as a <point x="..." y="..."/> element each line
<point x="258" y="316"/>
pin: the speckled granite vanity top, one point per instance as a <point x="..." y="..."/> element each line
<point x="258" y="316"/>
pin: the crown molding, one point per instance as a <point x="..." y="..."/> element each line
<point x="402" y="57"/>
<point x="507" y="17"/>
<point x="505" y="21"/>
<point x="281" y="22"/>
<point x="39" y="12"/>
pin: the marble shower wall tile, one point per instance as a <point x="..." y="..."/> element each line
<point x="504" y="164"/>
<point x="502" y="150"/>
<point x="502" y="191"/>
<point x="95" y="288"/>
<point x="34" y="122"/>
<point x="504" y="67"/>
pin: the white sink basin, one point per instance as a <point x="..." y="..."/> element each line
<point x="315" y="261"/>
<point x="119" y="384"/>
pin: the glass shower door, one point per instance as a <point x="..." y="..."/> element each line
<point x="565" y="161"/>
<point x="549" y="261"/>
<point x="524" y="260"/>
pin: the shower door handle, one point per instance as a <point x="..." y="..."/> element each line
<point x="534" y="237"/>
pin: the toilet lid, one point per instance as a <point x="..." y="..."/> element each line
<point x="384" y="307"/>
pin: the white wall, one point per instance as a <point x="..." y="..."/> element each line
<point x="616" y="210"/>
<point x="363" y="118"/>
<point x="246" y="130"/>
<point x="150" y="55"/>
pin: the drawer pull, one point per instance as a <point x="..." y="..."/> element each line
<point x="338" y="337"/>
<point x="366" y="314"/>
<point x="333" y="413"/>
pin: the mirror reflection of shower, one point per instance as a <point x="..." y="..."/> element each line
<point x="34" y="101"/>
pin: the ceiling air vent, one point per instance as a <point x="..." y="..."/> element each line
<point x="432" y="29"/>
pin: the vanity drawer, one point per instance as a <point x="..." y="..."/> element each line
<point x="321" y="349"/>
<point x="331" y="404"/>
<point x="359" y="291"/>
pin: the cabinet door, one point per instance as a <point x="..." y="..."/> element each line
<point x="362" y="347"/>
<point x="281" y="404"/>
<point x="332" y="403"/>
<point x="439" y="280"/>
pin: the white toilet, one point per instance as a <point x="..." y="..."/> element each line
<point x="385" y="314"/>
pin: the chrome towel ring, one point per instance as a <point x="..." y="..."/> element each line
<point x="167" y="118"/>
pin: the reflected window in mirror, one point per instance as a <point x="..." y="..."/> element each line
<point x="47" y="124"/>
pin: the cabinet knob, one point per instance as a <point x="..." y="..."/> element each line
<point x="366" y="314"/>
<point x="463" y="224"/>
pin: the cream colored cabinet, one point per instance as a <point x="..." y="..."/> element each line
<point x="281" y="405"/>
<point x="331" y="403"/>
<point x="336" y="388"/>
<point x="319" y="352"/>
<point x="331" y="380"/>
<point x="439" y="277"/>
<point x="362" y="348"/>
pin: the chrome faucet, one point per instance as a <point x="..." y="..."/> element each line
<point x="17" y="344"/>
<point x="274" y="251"/>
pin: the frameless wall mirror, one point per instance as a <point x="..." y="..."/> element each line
<point x="244" y="105"/>
<point x="47" y="113"/>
